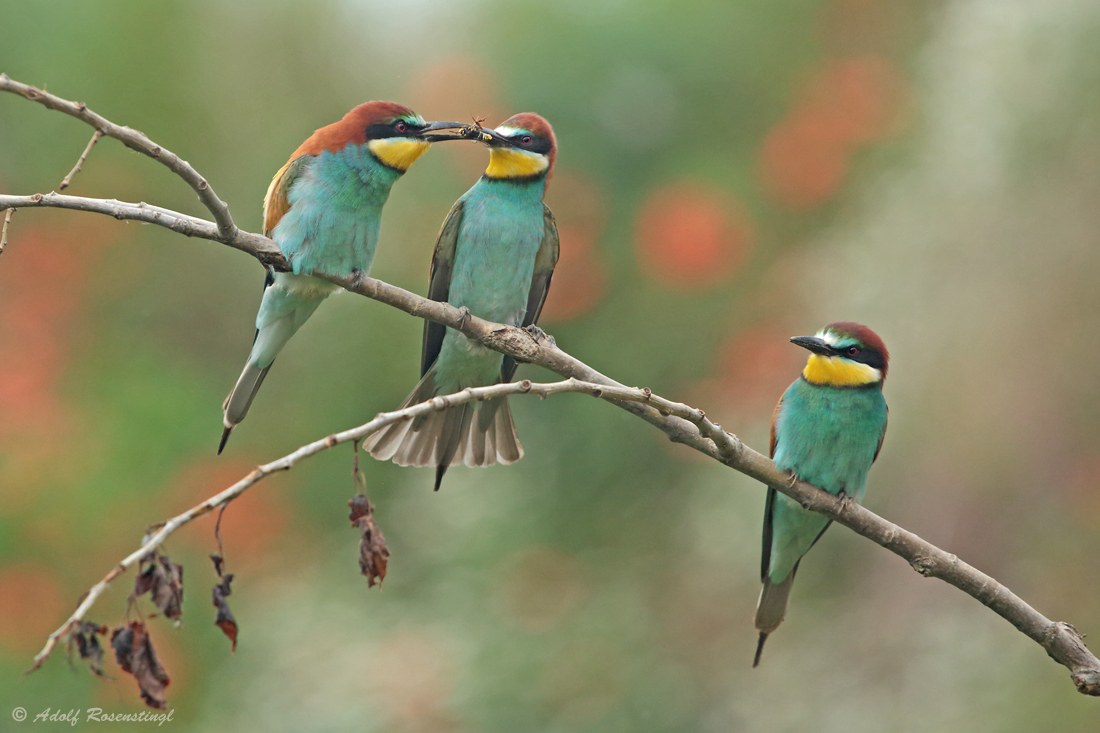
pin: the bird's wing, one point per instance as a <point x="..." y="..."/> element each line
<point x="882" y="437"/>
<point x="766" y="535"/>
<point x="440" y="284"/>
<point x="275" y="202"/>
<point x="545" y="262"/>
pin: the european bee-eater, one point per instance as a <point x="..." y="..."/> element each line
<point x="323" y="208"/>
<point x="827" y="429"/>
<point x="495" y="255"/>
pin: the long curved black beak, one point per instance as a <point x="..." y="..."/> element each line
<point x="428" y="133"/>
<point x="814" y="344"/>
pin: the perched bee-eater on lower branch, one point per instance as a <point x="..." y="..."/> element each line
<point x="827" y="429"/>
<point x="324" y="209"/>
<point x="495" y="255"/>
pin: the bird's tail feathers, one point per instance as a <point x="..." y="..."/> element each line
<point x="470" y="433"/>
<point x="240" y="399"/>
<point x="770" y="610"/>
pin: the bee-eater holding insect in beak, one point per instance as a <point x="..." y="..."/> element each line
<point x="495" y="255"/>
<point x="827" y="429"/>
<point x="323" y="209"/>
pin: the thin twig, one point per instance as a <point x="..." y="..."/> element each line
<point x="80" y="161"/>
<point x="152" y="542"/>
<point x="4" y="230"/>
<point x="262" y="248"/>
<point x="135" y="141"/>
<point x="681" y="423"/>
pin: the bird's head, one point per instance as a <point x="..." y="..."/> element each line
<point x="522" y="148"/>
<point x="395" y="135"/>
<point x="844" y="354"/>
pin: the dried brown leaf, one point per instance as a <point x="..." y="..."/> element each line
<point x="85" y="638"/>
<point x="225" y="620"/>
<point x="135" y="654"/>
<point x="162" y="579"/>
<point x="373" y="553"/>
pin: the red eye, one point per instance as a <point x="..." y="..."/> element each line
<point x="526" y="139"/>
<point x="400" y="127"/>
<point x="852" y="351"/>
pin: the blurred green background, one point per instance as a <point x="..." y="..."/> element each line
<point x="730" y="174"/>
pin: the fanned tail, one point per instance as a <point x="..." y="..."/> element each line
<point x="475" y="434"/>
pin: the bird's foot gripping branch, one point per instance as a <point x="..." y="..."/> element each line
<point x="681" y="423"/>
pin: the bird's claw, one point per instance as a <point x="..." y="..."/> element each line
<point x="539" y="335"/>
<point x="357" y="276"/>
<point x="846" y="501"/>
<point x="464" y="315"/>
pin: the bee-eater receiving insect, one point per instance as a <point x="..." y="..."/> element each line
<point x="323" y="208"/>
<point x="827" y="429"/>
<point x="495" y="256"/>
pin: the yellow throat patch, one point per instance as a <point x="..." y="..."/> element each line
<point x="512" y="163"/>
<point x="398" y="152"/>
<point x="832" y="371"/>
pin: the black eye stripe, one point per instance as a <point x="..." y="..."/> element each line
<point x="379" y="131"/>
<point x="867" y="356"/>
<point x="537" y="144"/>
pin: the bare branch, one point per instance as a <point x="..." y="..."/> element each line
<point x="135" y="141"/>
<point x="262" y="248"/>
<point x="681" y="423"/>
<point x="80" y="161"/>
<point x="355" y="434"/>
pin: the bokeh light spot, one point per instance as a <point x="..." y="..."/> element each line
<point x="255" y="525"/>
<point x="31" y="606"/>
<point x="851" y="102"/>
<point x="690" y="235"/>
<point x="580" y="278"/>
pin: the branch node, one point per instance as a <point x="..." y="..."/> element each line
<point x="924" y="564"/>
<point x="647" y="393"/>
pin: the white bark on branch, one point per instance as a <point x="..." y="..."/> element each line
<point x="681" y="423"/>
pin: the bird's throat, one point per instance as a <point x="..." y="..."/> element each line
<point x="833" y="371"/>
<point x="398" y="152"/>
<point x="512" y="163"/>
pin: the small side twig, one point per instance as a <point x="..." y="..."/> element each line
<point x="134" y="140"/>
<point x="80" y="161"/>
<point x="4" y="230"/>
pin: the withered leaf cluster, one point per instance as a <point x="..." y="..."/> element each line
<point x="85" y="637"/>
<point x="373" y="553"/>
<point x="135" y="654"/>
<point x="162" y="579"/>
<point x="225" y="620"/>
